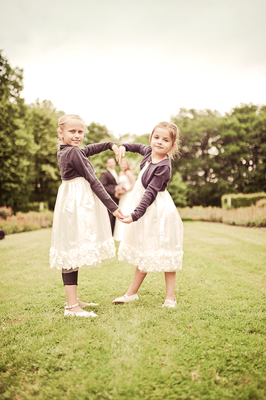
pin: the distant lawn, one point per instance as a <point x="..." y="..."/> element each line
<point x="212" y="346"/>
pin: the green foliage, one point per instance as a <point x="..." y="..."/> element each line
<point x="222" y="155"/>
<point x="261" y="203"/>
<point x="199" y="132"/>
<point x="34" y="206"/>
<point x="241" y="159"/>
<point x="211" y="346"/>
<point x="219" y="155"/>
<point x="5" y="212"/>
<point x="241" y="200"/>
<point x="97" y="133"/>
<point x="17" y="144"/>
<point x="41" y="121"/>
<point x="30" y="221"/>
<point x="244" y="216"/>
<point x="178" y="190"/>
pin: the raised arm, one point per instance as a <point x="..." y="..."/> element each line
<point x="155" y="185"/>
<point x="133" y="147"/>
<point x="82" y="165"/>
<point x="160" y="176"/>
<point x="97" y="148"/>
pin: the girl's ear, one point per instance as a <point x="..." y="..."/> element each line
<point x="60" y="134"/>
<point x="174" y="145"/>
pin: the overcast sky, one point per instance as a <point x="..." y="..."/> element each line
<point x="129" y="64"/>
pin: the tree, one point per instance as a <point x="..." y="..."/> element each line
<point x="258" y="151"/>
<point x="97" y="133"/>
<point x="241" y="158"/>
<point x="41" y="121"/>
<point x="17" y="144"/>
<point x="199" y="132"/>
<point x="222" y="155"/>
<point x="178" y="190"/>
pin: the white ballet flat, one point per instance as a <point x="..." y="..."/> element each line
<point x="85" y="314"/>
<point x="87" y="304"/>
<point x="125" y="299"/>
<point x="169" y="303"/>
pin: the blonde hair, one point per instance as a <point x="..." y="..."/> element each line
<point x="62" y="120"/>
<point x="174" y="135"/>
<point x="128" y="165"/>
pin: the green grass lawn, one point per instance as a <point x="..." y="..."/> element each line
<point x="212" y="346"/>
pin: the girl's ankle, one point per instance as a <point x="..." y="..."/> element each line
<point x="74" y="307"/>
<point x="130" y="293"/>
<point x="171" y="299"/>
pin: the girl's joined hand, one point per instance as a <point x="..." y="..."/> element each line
<point x="118" y="213"/>
<point x="121" y="153"/>
<point x="115" y="149"/>
<point x="127" y="219"/>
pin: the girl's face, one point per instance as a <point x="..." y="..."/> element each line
<point x="72" y="132"/>
<point x="161" y="142"/>
<point x="123" y="165"/>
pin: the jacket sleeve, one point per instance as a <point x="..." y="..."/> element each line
<point x="83" y="166"/>
<point x="136" y="148"/>
<point x="160" y="176"/>
<point x="96" y="148"/>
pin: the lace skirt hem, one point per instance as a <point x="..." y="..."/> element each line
<point x="156" y="261"/>
<point x="90" y="255"/>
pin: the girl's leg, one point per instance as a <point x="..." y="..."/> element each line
<point x="170" y="285"/>
<point x="71" y="295"/>
<point x="70" y="281"/>
<point x="137" y="280"/>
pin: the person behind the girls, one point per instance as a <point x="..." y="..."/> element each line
<point x="81" y="232"/>
<point x="124" y="192"/>
<point x="154" y="241"/>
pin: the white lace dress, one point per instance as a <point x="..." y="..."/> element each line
<point x="124" y="203"/>
<point x="154" y="243"/>
<point x="81" y="232"/>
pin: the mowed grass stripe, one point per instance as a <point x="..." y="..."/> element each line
<point x="212" y="346"/>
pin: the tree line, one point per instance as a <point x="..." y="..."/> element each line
<point x="218" y="154"/>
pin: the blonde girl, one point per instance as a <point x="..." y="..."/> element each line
<point x="81" y="232"/>
<point x="153" y="241"/>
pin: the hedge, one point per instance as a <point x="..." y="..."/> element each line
<point x="30" y="221"/>
<point x="246" y="216"/>
<point x="35" y="206"/>
<point x="241" y="200"/>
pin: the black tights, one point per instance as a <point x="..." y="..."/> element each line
<point x="70" y="278"/>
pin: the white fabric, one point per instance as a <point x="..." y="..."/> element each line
<point x="154" y="243"/>
<point x="81" y="227"/>
<point x="114" y="173"/>
<point x="124" y="203"/>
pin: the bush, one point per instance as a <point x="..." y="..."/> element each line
<point x="245" y="216"/>
<point x="241" y="200"/>
<point x="5" y="212"/>
<point x="261" y="203"/>
<point x="178" y="190"/>
<point x="26" y="222"/>
<point x="35" y="206"/>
